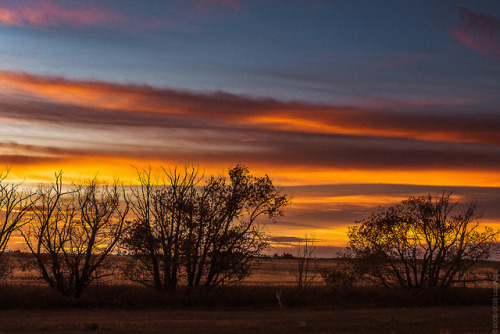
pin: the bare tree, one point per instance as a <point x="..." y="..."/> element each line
<point x="227" y="235"/>
<point x="74" y="232"/>
<point x="15" y="203"/>
<point x="208" y="232"/>
<point x="421" y="243"/>
<point x="305" y="261"/>
<point x="163" y="206"/>
<point x="141" y="237"/>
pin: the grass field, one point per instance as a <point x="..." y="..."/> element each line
<point x="29" y="306"/>
<point x="270" y="271"/>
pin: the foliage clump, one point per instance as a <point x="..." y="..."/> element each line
<point x="206" y="231"/>
<point x="423" y="242"/>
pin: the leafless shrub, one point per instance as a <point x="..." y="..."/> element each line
<point x="306" y="264"/>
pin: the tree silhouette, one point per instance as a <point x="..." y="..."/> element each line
<point x="420" y="243"/>
<point x="162" y="207"/>
<point x="15" y="204"/>
<point x="207" y="232"/>
<point x="73" y="232"/>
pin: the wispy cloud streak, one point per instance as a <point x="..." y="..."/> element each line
<point x="44" y="14"/>
<point x="48" y="14"/>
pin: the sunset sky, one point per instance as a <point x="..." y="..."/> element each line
<point x="348" y="105"/>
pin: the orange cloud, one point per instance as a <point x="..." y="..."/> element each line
<point x="86" y="93"/>
<point x="378" y="124"/>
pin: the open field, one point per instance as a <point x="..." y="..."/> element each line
<point x="270" y="271"/>
<point x="392" y="320"/>
<point x="29" y="306"/>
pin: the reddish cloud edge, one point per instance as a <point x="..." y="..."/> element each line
<point x="479" y="32"/>
<point x="48" y="14"/>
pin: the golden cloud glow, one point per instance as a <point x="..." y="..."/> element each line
<point x="335" y="236"/>
<point x="411" y="177"/>
<point x="109" y="167"/>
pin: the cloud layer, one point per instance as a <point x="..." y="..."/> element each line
<point x="145" y="122"/>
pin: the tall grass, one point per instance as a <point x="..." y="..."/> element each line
<point x="235" y="297"/>
<point x="259" y="292"/>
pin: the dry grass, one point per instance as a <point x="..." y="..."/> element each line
<point x="244" y="297"/>
<point x="270" y="271"/>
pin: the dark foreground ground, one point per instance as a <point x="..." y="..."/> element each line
<point x="442" y="320"/>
